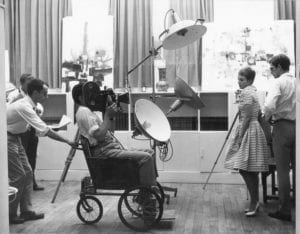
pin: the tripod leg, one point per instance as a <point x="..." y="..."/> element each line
<point x="67" y="166"/>
<point x="215" y="164"/>
<point x="59" y="183"/>
<point x="228" y="134"/>
<point x="68" y="163"/>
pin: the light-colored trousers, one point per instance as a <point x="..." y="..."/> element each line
<point x="19" y="174"/>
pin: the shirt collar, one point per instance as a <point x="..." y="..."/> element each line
<point x="21" y="91"/>
<point x="251" y="87"/>
<point x="30" y="101"/>
<point x="286" y="74"/>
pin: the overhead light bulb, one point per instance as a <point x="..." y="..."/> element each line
<point x="182" y="32"/>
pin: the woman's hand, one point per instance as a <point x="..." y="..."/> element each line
<point x="73" y="144"/>
<point x="111" y="111"/>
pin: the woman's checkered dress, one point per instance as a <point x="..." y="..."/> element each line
<point x="253" y="154"/>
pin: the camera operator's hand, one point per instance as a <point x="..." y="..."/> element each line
<point x="111" y="111"/>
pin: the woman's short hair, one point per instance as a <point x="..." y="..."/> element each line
<point x="282" y="60"/>
<point x="248" y="72"/>
<point x="77" y="92"/>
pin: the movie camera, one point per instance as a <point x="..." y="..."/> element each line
<point x="98" y="100"/>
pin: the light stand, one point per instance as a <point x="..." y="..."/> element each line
<point x="221" y="150"/>
<point x="153" y="52"/>
<point x="181" y="33"/>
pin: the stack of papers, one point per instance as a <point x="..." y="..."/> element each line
<point x="64" y="121"/>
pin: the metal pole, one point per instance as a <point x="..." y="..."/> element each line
<point x="67" y="166"/>
<point x="151" y="53"/>
<point x="228" y="134"/>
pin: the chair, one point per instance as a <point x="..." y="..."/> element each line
<point x="274" y="188"/>
<point x="136" y="211"/>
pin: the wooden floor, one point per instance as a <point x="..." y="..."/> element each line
<point x="217" y="210"/>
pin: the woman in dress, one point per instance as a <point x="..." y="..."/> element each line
<point x="248" y="152"/>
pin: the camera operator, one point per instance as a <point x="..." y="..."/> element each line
<point x="103" y="144"/>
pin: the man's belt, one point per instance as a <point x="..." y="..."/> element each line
<point x="283" y="120"/>
<point x="14" y="134"/>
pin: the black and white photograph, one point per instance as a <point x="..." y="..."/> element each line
<point x="147" y="116"/>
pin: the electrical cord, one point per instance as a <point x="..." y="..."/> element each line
<point x="164" y="150"/>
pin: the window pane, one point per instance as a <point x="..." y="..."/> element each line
<point x="243" y="11"/>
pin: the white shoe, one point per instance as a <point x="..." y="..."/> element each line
<point x="253" y="212"/>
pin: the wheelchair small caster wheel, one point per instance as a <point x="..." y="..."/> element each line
<point x="89" y="209"/>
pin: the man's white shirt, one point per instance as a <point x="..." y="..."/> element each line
<point x="281" y="99"/>
<point x="21" y="114"/>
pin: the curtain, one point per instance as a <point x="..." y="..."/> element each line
<point x="187" y="61"/>
<point x="34" y="37"/>
<point x="284" y="9"/>
<point x="132" y="41"/>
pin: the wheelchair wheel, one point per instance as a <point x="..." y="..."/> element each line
<point x="161" y="192"/>
<point x="132" y="202"/>
<point x="140" y="214"/>
<point x="89" y="209"/>
<point x="133" y="198"/>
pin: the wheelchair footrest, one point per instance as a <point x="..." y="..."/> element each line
<point x="168" y="215"/>
<point x="167" y="220"/>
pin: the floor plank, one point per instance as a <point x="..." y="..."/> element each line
<point x="217" y="209"/>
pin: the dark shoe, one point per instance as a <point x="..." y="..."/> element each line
<point x="37" y="188"/>
<point x="149" y="211"/>
<point x="16" y="220"/>
<point x="281" y="216"/>
<point x="142" y="196"/>
<point x="31" y="215"/>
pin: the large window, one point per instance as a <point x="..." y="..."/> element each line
<point x="87" y="50"/>
<point x="214" y="117"/>
<point x="243" y="33"/>
<point x="243" y="11"/>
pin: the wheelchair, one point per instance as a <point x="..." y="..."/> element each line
<point x="139" y="207"/>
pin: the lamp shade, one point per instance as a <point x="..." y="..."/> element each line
<point x="181" y="32"/>
<point x="186" y="93"/>
<point x="152" y="121"/>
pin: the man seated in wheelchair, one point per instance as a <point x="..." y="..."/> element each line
<point x="97" y="128"/>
